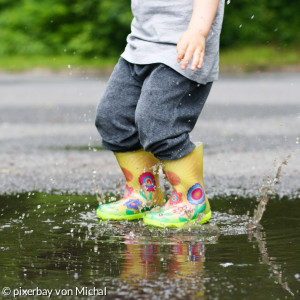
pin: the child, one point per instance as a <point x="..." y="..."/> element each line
<point x="151" y="104"/>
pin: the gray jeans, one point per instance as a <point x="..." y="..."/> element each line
<point x="151" y="107"/>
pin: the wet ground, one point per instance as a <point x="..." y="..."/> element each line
<point x="50" y="148"/>
<point x="56" y="242"/>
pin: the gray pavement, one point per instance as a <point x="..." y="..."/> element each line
<point x="249" y="126"/>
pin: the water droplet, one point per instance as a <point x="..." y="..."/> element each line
<point x="228" y="2"/>
<point x="225" y="265"/>
<point x="241" y="25"/>
<point x="252" y="17"/>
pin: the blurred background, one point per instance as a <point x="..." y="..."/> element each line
<point x="257" y="35"/>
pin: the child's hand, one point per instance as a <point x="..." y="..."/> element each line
<point x="191" y="44"/>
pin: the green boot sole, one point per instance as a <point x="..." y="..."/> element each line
<point x="157" y="223"/>
<point x="110" y="216"/>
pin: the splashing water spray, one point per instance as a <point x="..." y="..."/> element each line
<point x="265" y="190"/>
<point x="100" y="197"/>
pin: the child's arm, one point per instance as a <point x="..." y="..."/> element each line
<point x="192" y="42"/>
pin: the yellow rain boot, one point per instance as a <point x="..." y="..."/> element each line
<point x="188" y="202"/>
<point x="142" y="190"/>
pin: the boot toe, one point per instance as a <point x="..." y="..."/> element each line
<point x="112" y="212"/>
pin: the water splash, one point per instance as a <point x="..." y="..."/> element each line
<point x="265" y="190"/>
<point x="100" y="197"/>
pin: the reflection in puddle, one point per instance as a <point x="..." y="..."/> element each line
<point x="275" y="269"/>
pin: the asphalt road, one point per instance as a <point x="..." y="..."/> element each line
<point x="250" y="124"/>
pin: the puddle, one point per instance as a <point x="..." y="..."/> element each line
<point x="56" y="242"/>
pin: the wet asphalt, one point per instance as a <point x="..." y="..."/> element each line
<point x="249" y="126"/>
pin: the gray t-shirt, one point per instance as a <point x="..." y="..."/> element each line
<point x="155" y="30"/>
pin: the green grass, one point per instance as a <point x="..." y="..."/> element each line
<point x="250" y="59"/>
<point x="246" y="59"/>
<point x="55" y="63"/>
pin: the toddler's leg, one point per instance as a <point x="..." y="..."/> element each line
<point x="167" y="111"/>
<point x="115" y="119"/>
